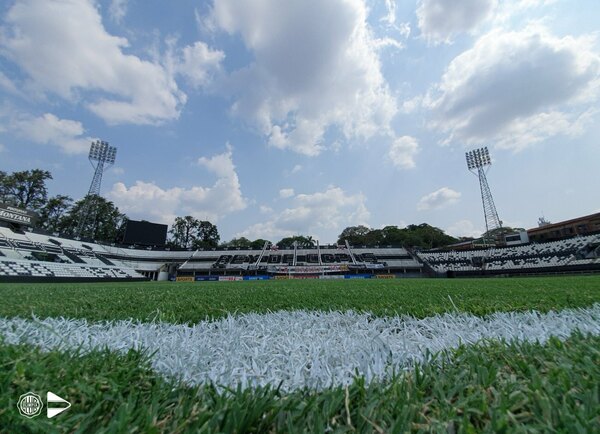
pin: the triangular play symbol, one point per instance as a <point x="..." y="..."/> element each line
<point x="52" y="397"/>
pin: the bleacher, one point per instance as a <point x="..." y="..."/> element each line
<point x="392" y="259"/>
<point x="565" y="255"/>
<point x="31" y="256"/>
<point x="27" y="255"/>
<point x="34" y="269"/>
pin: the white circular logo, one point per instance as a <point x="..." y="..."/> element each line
<point x="30" y="405"/>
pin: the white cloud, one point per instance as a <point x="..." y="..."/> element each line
<point x="313" y="214"/>
<point x="297" y="168"/>
<point x="48" y="129"/>
<point x="163" y="205"/>
<point x="286" y="192"/>
<point x="439" y="199"/>
<point x="198" y="63"/>
<point x="64" y="49"/>
<point x="517" y="88"/>
<point x="304" y="83"/>
<point x="386" y="42"/>
<point x="402" y="152"/>
<point x="390" y="17"/>
<point x="118" y="10"/>
<point x="265" y="209"/>
<point x="464" y="228"/>
<point x="440" y="20"/>
<point x="411" y="105"/>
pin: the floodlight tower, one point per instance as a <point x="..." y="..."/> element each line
<point x="101" y="157"/>
<point x="478" y="163"/>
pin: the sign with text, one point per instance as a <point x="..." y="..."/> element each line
<point x="20" y="216"/>
<point x="207" y="278"/>
<point x="185" y="278"/>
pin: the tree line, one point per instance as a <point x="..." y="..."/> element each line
<point x="61" y="214"/>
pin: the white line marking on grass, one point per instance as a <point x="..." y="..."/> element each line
<point x="298" y="348"/>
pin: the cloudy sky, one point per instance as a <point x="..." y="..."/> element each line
<point x="278" y="117"/>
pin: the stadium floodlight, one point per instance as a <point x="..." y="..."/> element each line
<point x="101" y="156"/>
<point x="478" y="162"/>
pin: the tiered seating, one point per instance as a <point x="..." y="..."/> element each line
<point x="30" y="255"/>
<point x="240" y="259"/>
<point x="23" y="268"/>
<point x="563" y="253"/>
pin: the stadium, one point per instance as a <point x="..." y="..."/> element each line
<point x="380" y="173"/>
<point x="69" y="259"/>
<point x="342" y="336"/>
<point x="565" y="247"/>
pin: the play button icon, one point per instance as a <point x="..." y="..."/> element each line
<point x="54" y="398"/>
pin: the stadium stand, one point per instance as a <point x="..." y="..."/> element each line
<point x="31" y="256"/>
<point x="570" y="254"/>
<point x="35" y="256"/>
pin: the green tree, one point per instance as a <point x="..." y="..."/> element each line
<point x="245" y="243"/>
<point x="108" y="219"/>
<point x="183" y="231"/>
<point x="189" y="232"/>
<point x="422" y="236"/>
<point x="53" y="213"/>
<point x="241" y="242"/>
<point x="207" y="236"/>
<point x="428" y="237"/>
<point x="259" y="243"/>
<point x="356" y="235"/>
<point x="301" y="240"/>
<point x="25" y="189"/>
<point x="2" y="186"/>
<point x="375" y="237"/>
<point x="393" y="236"/>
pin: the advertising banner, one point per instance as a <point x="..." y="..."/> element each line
<point x="358" y="276"/>
<point x="281" y="277"/>
<point x="185" y="278"/>
<point x="385" y="276"/>
<point x="306" y="269"/>
<point x="230" y="278"/>
<point x="207" y="278"/>
<point x="17" y="215"/>
<point x="332" y="277"/>
<point x="257" y="277"/>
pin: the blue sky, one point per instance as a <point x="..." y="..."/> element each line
<point x="272" y="118"/>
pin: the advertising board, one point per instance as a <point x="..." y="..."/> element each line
<point x="16" y="215"/>
<point x="185" y="278"/>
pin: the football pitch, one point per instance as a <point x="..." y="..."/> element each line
<point x="493" y="366"/>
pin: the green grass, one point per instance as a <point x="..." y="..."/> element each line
<point x="192" y="302"/>
<point x="486" y="388"/>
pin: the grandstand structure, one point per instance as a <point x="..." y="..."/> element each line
<point x="26" y="254"/>
<point x="34" y="256"/>
<point x="31" y="256"/>
<point x="580" y="253"/>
